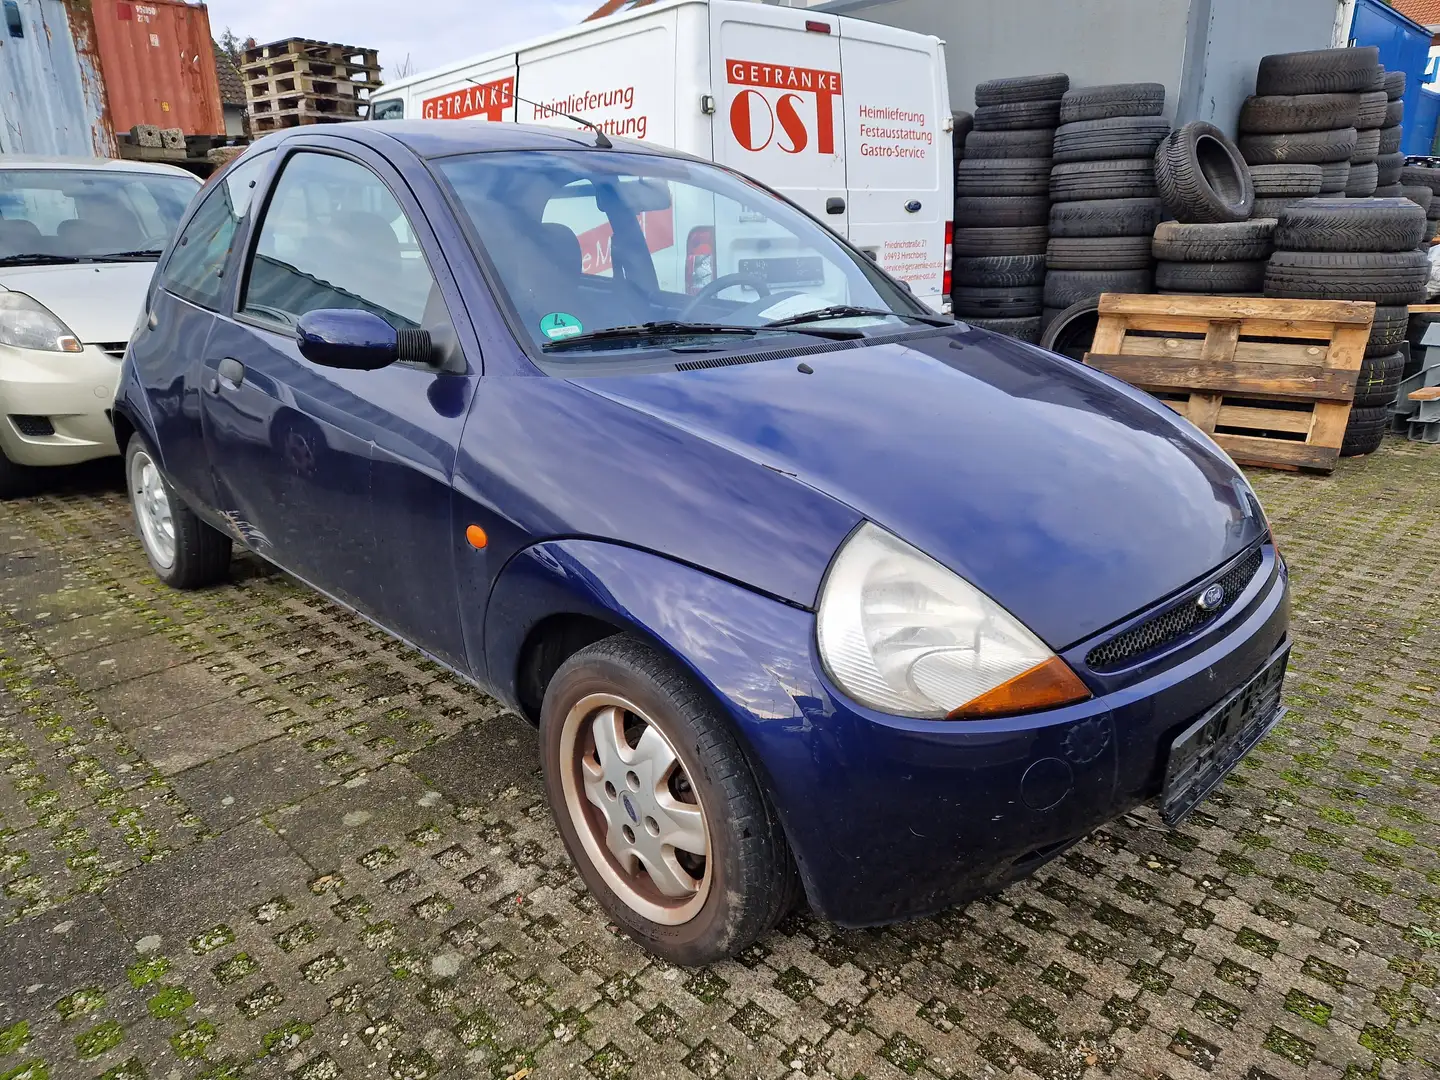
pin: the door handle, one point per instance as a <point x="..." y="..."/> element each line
<point x="834" y="205"/>
<point x="231" y="373"/>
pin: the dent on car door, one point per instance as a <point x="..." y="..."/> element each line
<point x="344" y="475"/>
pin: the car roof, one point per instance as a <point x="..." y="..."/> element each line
<point x="40" y="161"/>
<point x="436" y="138"/>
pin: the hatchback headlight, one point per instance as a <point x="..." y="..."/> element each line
<point x="900" y="633"/>
<point x="28" y="324"/>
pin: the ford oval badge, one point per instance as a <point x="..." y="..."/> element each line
<point x="1211" y="598"/>
<point x="630" y="808"/>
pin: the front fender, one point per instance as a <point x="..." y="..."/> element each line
<point x="750" y="652"/>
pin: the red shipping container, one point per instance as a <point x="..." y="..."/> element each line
<point x="159" y="65"/>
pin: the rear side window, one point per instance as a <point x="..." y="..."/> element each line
<point x="196" y="266"/>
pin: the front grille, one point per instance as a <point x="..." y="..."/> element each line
<point x="113" y="348"/>
<point x="32" y="427"/>
<point x="1175" y="623"/>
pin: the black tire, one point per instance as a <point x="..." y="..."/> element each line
<point x="1215" y="278"/>
<point x="1362" y="182"/>
<point x="1365" y="432"/>
<point x="1035" y="143"/>
<point x="1017" y="116"/>
<point x="1066" y="287"/>
<point x="1130" y="178"/>
<point x="1350" y="225"/>
<point x="1027" y="329"/>
<point x="1367" y="147"/>
<point x="17" y="480"/>
<point x="1003" y="176"/>
<point x="1388" y="168"/>
<point x="1388" y="329"/>
<point x="963" y="123"/>
<point x="1389" y="278"/>
<point x="1394" y="114"/>
<point x="1120" y="99"/>
<point x="1423" y="175"/>
<point x="1010" y="302"/>
<point x="1395" y="85"/>
<point x="1298" y="112"/>
<point x="1296" y="181"/>
<point x="753" y="875"/>
<point x="1021" y="88"/>
<point x="1270" y="208"/>
<point x="1228" y="242"/>
<point x="1201" y="176"/>
<point x="1377" y="82"/>
<point x="1015" y="240"/>
<point x="1070" y="331"/>
<point x="1000" y="271"/>
<point x="1379" y="379"/>
<point x="1300" y="148"/>
<point x="1106" y="217"/>
<point x="1371" y="114"/>
<point x="1389" y="191"/>
<point x="202" y="554"/>
<point x="1098" y="253"/>
<point x="1321" y="71"/>
<point x="1333" y="176"/>
<point x="1113" y="137"/>
<point x="1419" y="195"/>
<point x="1001" y="211"/>
<point x="1390" y="140"/>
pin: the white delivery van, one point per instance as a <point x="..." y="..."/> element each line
<point x="849" y="119"/>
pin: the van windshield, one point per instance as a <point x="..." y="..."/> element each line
<point x="82" y="215"/>
<point x="590" y="245"/>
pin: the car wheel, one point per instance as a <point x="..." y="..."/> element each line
<point x="658" y="807"/>
<point x="184" y="552"/>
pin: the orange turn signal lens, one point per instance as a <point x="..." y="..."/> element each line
<point x="476" y="535"/>
<point x="1047" y="685"/>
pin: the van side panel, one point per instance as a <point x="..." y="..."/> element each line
<point x="620" y="77"/>
<point x="899" y="161"/>
<point x="484" y="92"/>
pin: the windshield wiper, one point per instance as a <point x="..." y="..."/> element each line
<point x="850" y="311"/>
<point x="125" y="256"/>
<point x="36" y="258"/>
<point x="665" y="329"/>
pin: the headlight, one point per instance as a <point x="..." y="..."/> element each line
<point x="900" y="633"/>
<point x="28" y="324"/>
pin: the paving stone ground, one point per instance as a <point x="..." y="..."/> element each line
<point x="243" y="833"/>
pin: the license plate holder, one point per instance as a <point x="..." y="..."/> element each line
<point x="1204" y="753"/>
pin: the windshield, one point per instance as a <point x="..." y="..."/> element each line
<point x="78" y="214"/>
<point x="585" y="242"/>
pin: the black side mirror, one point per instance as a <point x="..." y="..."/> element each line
<point x="357" y="340"/>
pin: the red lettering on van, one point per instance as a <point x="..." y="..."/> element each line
<point x="489" y="100"/>
<point x="753" y="113"/>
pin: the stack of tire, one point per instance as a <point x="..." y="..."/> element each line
<point x="1103" y="188"/>
<point x="1416" y="179"/>
<point x="1305" y="110"/>
<point x="1002" y="204"/>
<point x="1389" y="160"/>
<point x="1211" y="247"/>
<point x="1369" y="119"/>
<point x="1357" y="249"/>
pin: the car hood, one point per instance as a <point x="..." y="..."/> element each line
<point x="1068" y="497"/>
<point x="100" y="302"/>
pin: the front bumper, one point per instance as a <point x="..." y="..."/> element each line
<point x="72" y="391"/>
<point x="892" y="818"/>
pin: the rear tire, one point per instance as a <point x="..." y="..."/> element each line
<point x="1300" y="148"/>
<point x="1000" y="271"/>
<point x="1242" y="278"/>
<point x="184" y="552"/>
<point x="1120" y="99"/>
<point x="1319" y="71"/>
<point x="1224" y="242"/>
<point x="724" y="899"/>
<point x="1349" y="225"/>
<point x="1390" y="278"/>
<point x="1071" y="331"/>
<point x="1127" y="178"/>
<point x="1298" y="112"/>
<point x="1294" y="181"/>
<point x="1066" y="287"/>
<point x="1003" y="176"/>
<point x="1021" y="88"/>
<point x="1106" y="217"/>
<point x="1365" y="432"/>
<point x="1017" y="116"/>
<point x="1099" y="253"/>
<point x="1111" y="138"/>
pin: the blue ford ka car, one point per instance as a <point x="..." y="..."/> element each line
<point x="810" y="592"/>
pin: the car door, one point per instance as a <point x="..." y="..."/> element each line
<point x="189" y="290"/>
<point x="343" y="477"/>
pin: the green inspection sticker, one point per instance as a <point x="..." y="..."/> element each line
<point x="559" y="325"/>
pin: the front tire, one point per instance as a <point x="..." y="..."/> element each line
<point x="184" y="552"/>
<point x="658" y="806"/>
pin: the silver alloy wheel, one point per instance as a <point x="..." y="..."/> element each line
<point x="635" y="809"/>
<point x="151" y="500"/>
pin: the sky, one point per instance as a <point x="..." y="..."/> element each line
<point x="431" y="32"/>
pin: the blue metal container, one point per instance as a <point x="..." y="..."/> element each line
<point x="52" y="95"/>
<point x="1404" y="46"/>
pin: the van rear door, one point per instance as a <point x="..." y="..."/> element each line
<point x="898" y="161"/>
<point x="779" y="115"/>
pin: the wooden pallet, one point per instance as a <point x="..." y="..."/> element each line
<point x="1271" y="381"/>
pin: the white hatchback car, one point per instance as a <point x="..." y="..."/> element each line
<point x="79" y="238"/>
